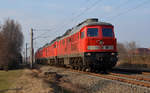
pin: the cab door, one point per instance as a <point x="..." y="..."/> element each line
<point x="55" y="49"/>
<point x="82" y="40"/>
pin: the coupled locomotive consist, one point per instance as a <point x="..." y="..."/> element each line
<point x="89" y="45"/>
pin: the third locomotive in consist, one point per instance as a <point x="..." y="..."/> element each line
<point x="89" y="45"/>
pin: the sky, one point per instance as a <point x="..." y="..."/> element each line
<point x="51" y="18"/>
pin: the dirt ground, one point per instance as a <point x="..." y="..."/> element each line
<point x="34" y="81"/>
<point x="28" y="83"/>
<point x="47" y="79"/>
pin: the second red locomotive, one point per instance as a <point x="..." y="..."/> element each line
<point x="89" y="45"/>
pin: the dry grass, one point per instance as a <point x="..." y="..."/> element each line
<point x="34" y="81"/>
<point x="138" y="62"/>
<point x="7" y="78"/>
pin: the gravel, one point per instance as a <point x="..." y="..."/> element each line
<point x="83" y="83"/>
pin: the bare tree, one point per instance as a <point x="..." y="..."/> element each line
<point x="11" y="41"/>
<point x="3" y="44"/>
<point x="122" y="51"/>
<point x="131" y="48"/>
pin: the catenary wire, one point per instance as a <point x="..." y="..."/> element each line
<point x="128" y="10"/>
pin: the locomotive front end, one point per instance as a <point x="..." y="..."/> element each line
<point x="100" y="46"/>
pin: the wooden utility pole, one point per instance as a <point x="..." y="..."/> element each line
<point x="26" y="53"/>
<point x="31" y="50"/>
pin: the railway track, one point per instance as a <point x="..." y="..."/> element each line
<point x="134" y="80"/>
<point x="140" y="78"/>
<point x="146" y="73"/>
<point x="129" y="70"/>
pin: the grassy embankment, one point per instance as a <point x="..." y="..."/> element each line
<point x="7" y="78"/>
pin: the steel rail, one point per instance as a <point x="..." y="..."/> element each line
<point x="121" y="78"/>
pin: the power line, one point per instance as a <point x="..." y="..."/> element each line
<point x="42" y="30"/>
<point x="74" y="18"/>
<point x="63" y="24"/>
<point x="118" y="7"/>
<point x="80" y="14"/>
<point x="66" y="21"/>
<point x="40" y="36"/>
<point x="86" y="9"/>
<point x="51" y="29"/>
<point x="125" y="3"/>
<point x="129" y="10"/>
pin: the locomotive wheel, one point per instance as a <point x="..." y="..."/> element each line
<point x="87" y="69"/>
<point x="83" y="68"/>
<point x="90" y="69"/>
<point x="80" y="68"/>
<point x="72" y="67"/>
<point x="77" y="67"/>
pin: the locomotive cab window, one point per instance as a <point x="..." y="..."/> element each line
<point x="82" y="34"/>
<point x="107" y="32"/>
<point x="92" y="32"/>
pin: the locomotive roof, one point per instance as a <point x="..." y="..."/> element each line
<point x="88" y="22"/>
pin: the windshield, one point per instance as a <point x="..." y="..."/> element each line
<point x="92" y="32"/>
<point x="107" y="32"/>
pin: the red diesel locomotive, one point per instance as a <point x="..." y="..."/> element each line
<point x="89" y="45"/>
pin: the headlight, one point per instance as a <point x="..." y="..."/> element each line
<point x="93" y="47"/>
<point x="112" y="53"/>
<point x="88" y="54"/>
<point x="101" y="42"/>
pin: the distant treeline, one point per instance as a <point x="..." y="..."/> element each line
<point x="11" y="42"/>
<point x="130" y="54"/>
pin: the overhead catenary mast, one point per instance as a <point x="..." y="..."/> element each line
<point x="31" y="50"/>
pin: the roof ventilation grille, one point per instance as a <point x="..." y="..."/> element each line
<point x="88" y="21"/>
<point x="91" y="20"/>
